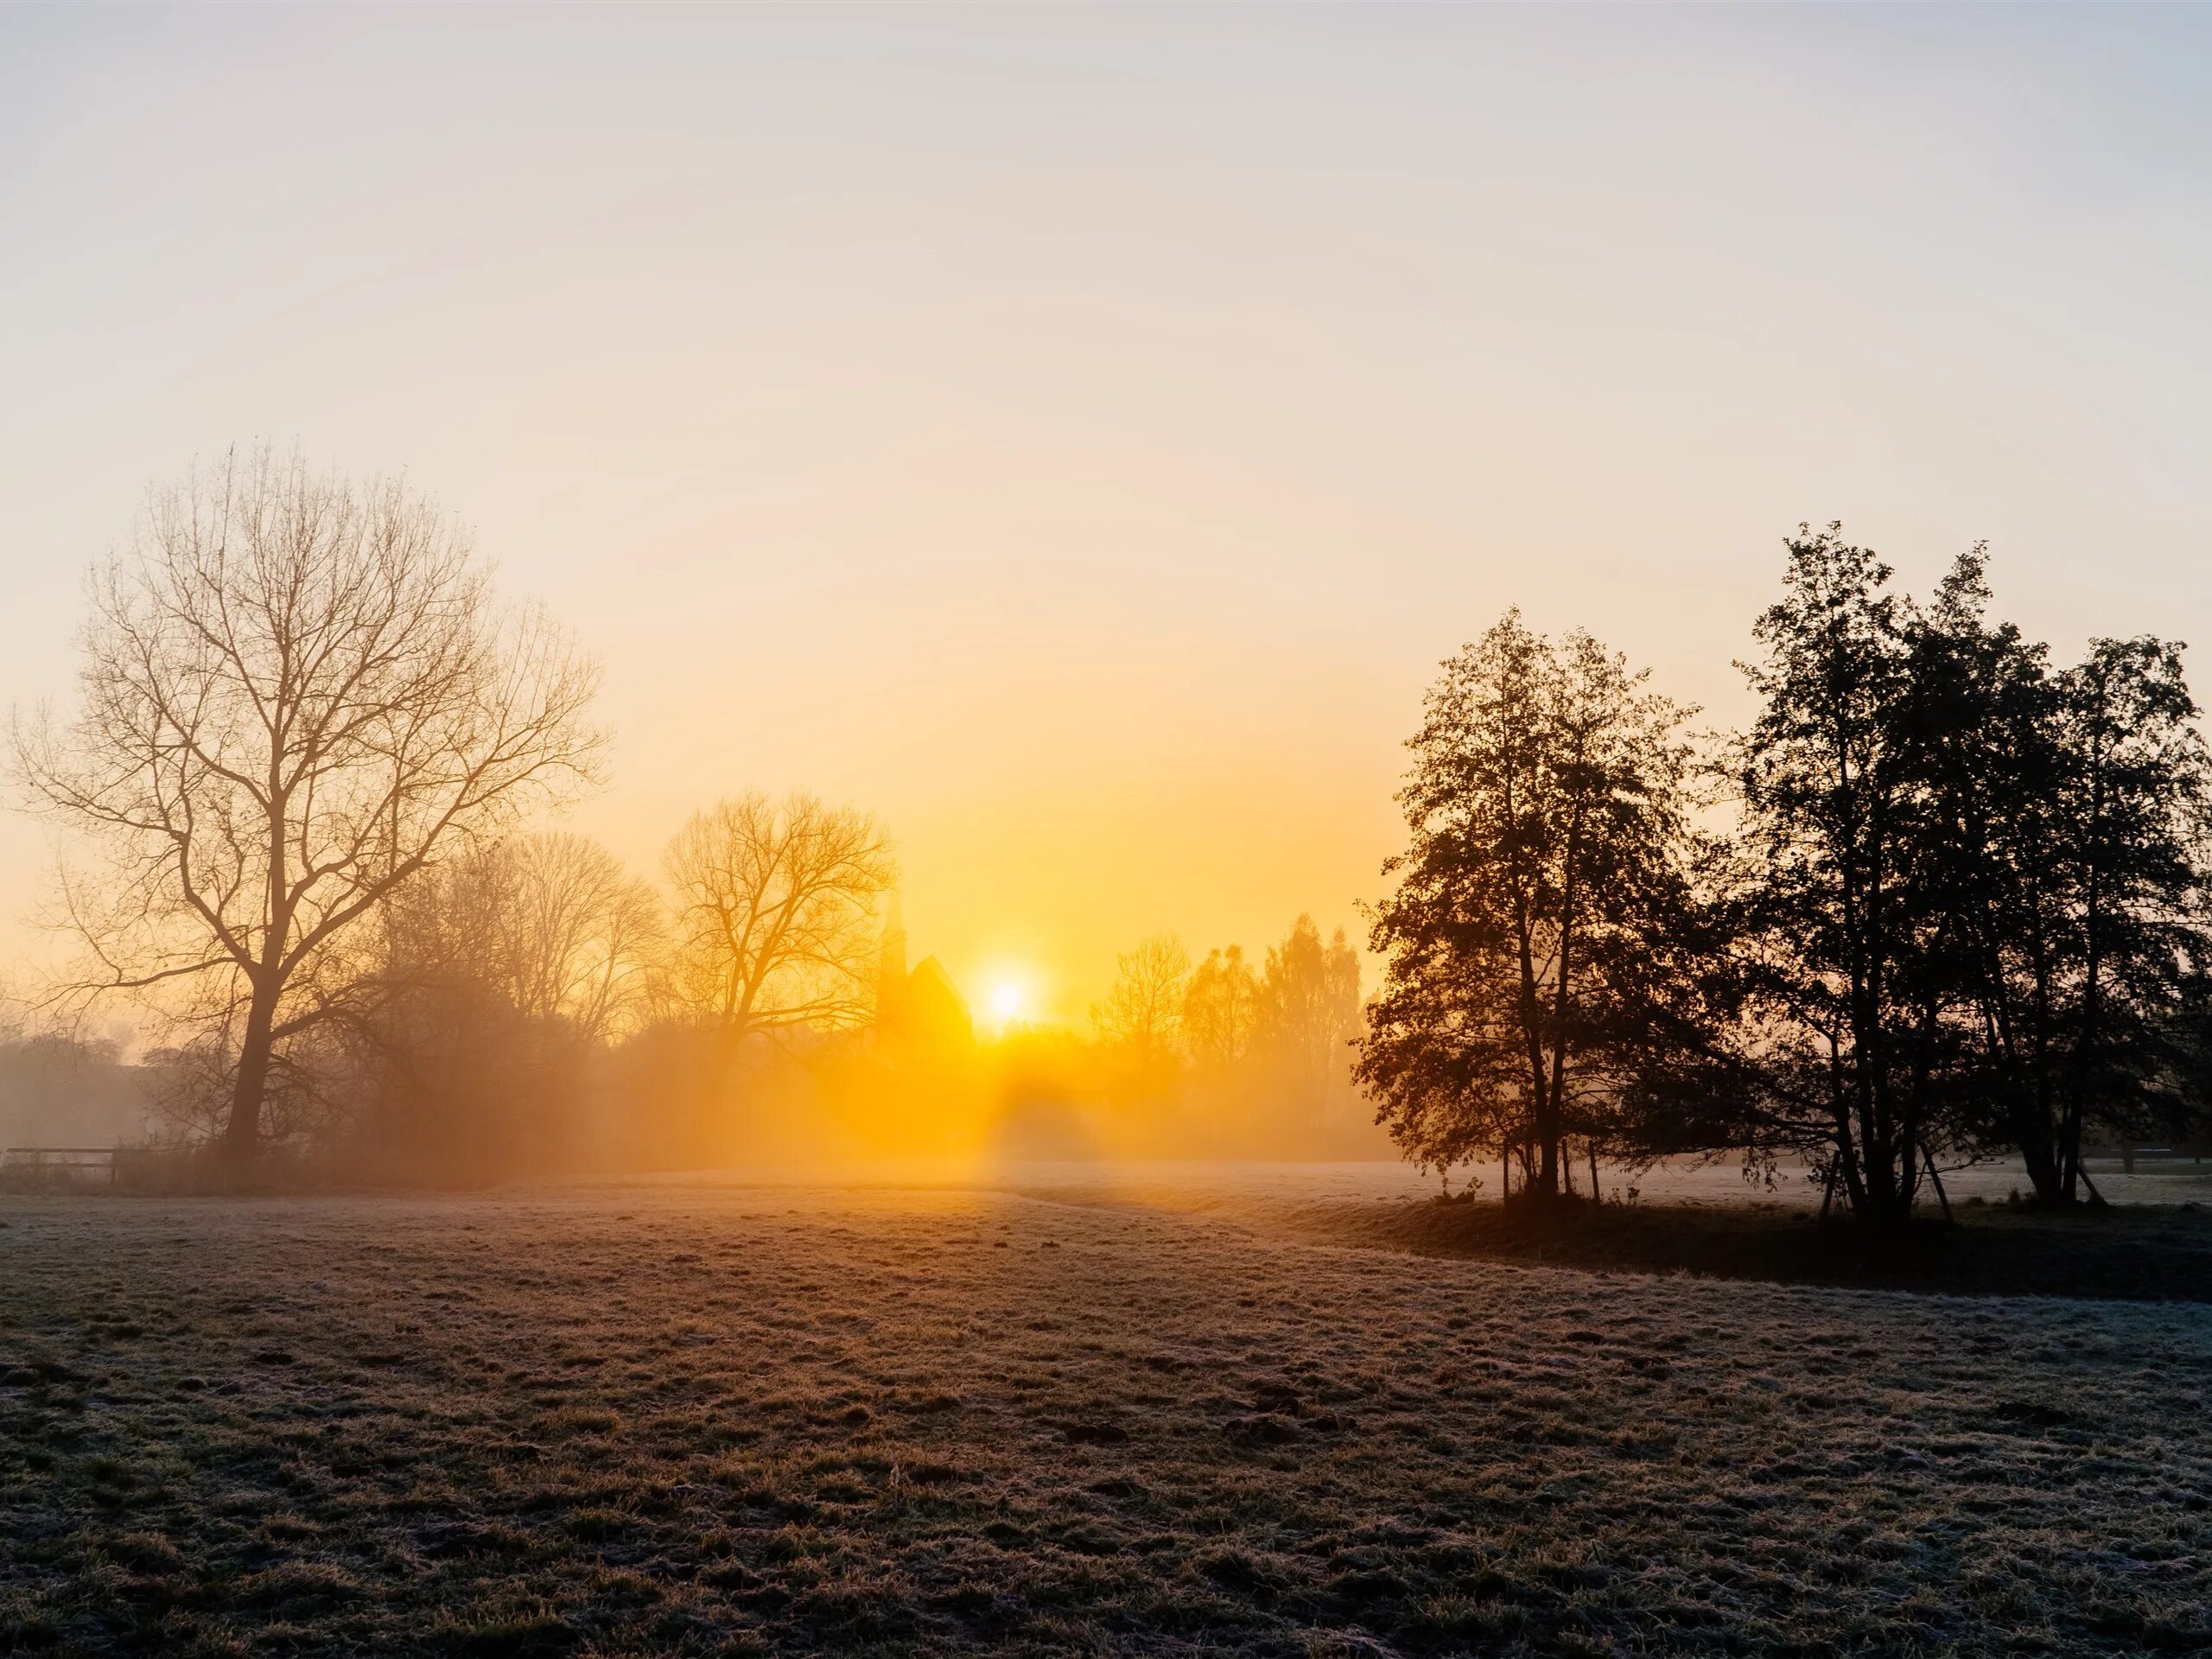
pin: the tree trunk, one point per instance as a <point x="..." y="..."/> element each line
<point x="1554" y="1127"/>
<point x="242" y="1134"/>
<point x="1547" y="1182"/>
<point x="2069" y="1148"/>
<point x="1847" y="1170"/>
<point x="2046" y="1165"/>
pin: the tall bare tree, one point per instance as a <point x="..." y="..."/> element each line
<point x="296" y="693"/>
<point x="774" y="914"/>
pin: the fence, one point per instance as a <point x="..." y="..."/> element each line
<point x="60" y="1166"/>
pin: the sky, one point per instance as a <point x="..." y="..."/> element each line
<point x="1077" y="435"/>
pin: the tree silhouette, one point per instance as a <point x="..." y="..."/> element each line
<point x="295" y="694"/>
<point x="1220" y="1007"/>
<point x="1548" y="808"/>
<point x="1969" y="919"/>
<point x="773" y="914"/>
<point x="1306" y="1014"/>
<point x="1139" y="1020"/>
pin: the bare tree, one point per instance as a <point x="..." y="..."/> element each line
<point x="580" y="935"/>
<point x="551" y="924"/>
<point x="483" y="1002"/>
<point x="1307" y="1015"/>
<point x="296" y="694"/>
<point x="774" y="912"/>
<point x="1141" y="1019"/>
<point x="1221" y="1007"/>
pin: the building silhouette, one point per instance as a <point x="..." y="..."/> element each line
<point x="918" y="1013"/>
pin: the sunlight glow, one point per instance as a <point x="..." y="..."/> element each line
<point x="1006" y="1000"/>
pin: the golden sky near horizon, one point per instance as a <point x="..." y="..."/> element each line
<point x="1078" y="434"/>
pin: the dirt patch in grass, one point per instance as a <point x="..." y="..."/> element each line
<point x="682" y="1421"/>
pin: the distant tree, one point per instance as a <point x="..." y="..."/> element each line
<point x="1139" y="1022"/>
<point x="1307" y="1015"/>
<point x="551" y="925"/>
<point x="1220" y="1007"/>
<point x="1548" y="808"/>
<point x="296" y="695"/>
<point x="59" y="1088"/>
<point x="576" y="937"/>
<point x="497" y="982"/>
<point x="773" y="915"/>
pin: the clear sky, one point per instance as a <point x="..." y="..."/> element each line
<point x="1078" y="434"/>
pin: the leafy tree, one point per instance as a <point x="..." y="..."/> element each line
<point x="2137" y="799"/>
<point x="1971" y="917"/>
<point x="1550" y="846"/>
<point x="1981" y="759"/>
<point x="2075" y="813"/>
<point x="1847" y="940"/>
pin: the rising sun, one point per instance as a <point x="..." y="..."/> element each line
<point x="1006" y="1000"/>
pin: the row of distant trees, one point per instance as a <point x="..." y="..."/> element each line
<point x="1231" y="1039"/>
<point x="66" y="1088"/>
<point x="304" y="737"/>
<point x="1943" y="900"/>
<point x="531" y="1003"/>
<point x="292" y="786"/>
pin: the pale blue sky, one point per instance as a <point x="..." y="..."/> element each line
<point x="1079" y="433"/>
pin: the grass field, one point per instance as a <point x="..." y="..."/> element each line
<point x="682" y="1419"/>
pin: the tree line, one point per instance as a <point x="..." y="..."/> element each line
<point x="1943" y="900"/>
<point x="1231" y="1043"/>
<point x="305" y="736"/>
<point x="306" y="741"/>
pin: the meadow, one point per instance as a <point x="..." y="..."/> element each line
<point x="683" y="1417"/>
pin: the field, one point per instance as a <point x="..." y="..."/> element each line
<point x="677" y="1418"/>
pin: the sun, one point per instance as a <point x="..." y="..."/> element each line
<point x="1006" y="1000"/>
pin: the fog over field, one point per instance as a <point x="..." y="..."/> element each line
<point x="1336" y="831"/>
<point x="678" y="1417"/>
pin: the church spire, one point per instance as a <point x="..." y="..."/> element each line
<point x="891" y="970"/>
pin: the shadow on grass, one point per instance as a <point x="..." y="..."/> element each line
<point x="2132" y="1254"/>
